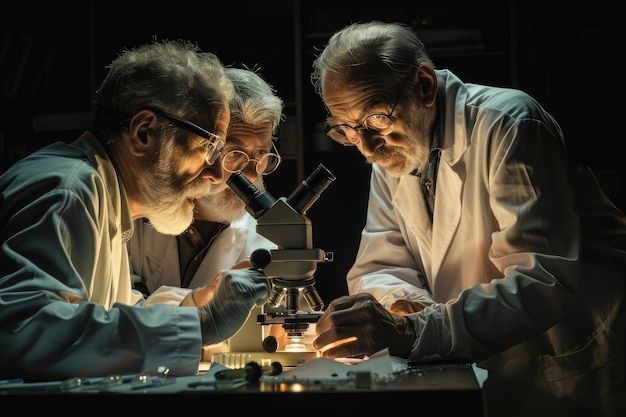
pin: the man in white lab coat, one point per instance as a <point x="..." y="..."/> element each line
<point x="67" y="306"/>
<point x="483" y="241"/>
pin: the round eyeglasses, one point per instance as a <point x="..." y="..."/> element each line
<point x="236" y="161"/>
<point x="375" y="124"/>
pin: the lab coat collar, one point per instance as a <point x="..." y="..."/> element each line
<point x="102" y="162"/>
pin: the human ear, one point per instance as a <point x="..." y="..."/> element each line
<point x="141" y="131"/>
<point x="426" y="81"/>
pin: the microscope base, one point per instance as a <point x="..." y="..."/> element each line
<point x="237" y="360"/>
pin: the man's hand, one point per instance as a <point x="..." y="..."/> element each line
<point x="358" y="325"/>
<point x="403" y="307"/>
<point x="238" y="291"/>
<point x="203" y="295"/>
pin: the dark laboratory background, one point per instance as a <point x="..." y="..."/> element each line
<point x="53" y="56"/>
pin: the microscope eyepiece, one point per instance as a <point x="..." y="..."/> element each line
<point x="256" y="201"/>
<point x="310" y="189"/>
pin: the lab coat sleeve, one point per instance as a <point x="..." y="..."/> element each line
<point x="59" y="247"/>
<point x="166" y="294"/>
<point x="536" y="245"/>
<point x="529" y="215"/>
<point x="384" y="266"/>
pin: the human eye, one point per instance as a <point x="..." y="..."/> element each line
<point x="338" y="130"/>
<point x="260" y="153"/>
<point x="341" y="129"/>
<point x="377" y="122"/>
<point x="234" y="155"/>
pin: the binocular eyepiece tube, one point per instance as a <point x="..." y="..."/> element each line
<point x="300" y="199"/>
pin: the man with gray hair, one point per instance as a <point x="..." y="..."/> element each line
<point x="484" y="241"/>
<point x="67" y="305"/>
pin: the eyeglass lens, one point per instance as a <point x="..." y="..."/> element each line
<point x="378" y="124"/>
<point x="214" y="150"/>
<point x="216" y="143"/>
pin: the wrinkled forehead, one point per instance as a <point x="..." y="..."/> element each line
<point x="341" y="94"/>
<point x="241" y="134"/>
<point x="362" y="77"/>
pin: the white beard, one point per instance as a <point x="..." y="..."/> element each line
<point x="167" y="200"/>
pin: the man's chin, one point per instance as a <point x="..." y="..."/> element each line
<point x="171" y="225"/>
<point x="235" y="213"/>
<point x="393" y="167"/>
<point x="220" y="210"/>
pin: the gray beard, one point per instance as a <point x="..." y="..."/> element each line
<point x="165" y="197"/>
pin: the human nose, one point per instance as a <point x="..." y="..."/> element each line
<point x="250" y="170"/>
<point x="213" y="173"/>
<point x="368" y="144"/>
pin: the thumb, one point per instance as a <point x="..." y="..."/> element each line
<point x="203" y="295"/>
<point x="243" y="264"/>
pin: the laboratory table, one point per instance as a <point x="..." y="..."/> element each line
<point x="437" y="387"/>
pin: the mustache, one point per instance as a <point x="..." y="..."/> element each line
<point x="224" y="191"/>
<point x="382" y="153"/>
<point x="216" y="189"/>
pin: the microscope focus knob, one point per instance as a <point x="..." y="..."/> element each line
<point x="270" y="344"/>
<point x="261" y="258"/>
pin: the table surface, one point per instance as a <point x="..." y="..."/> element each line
<point x="439" y="384"/>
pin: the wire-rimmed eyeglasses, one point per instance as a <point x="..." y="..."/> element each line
<point x="236" y="161"/>
<point x="376" y="124"/>
<point x="216" y="142"/>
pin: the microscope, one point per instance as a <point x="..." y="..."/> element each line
<point x="292" y="265"/>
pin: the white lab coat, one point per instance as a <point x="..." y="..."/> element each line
<point x="67" y="307"/>
<point x="154" y="256"/>
<point x="154" y="261"/>
<point x="518" y="272"/>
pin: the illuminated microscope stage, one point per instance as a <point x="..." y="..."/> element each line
<point x="253" y="340"/>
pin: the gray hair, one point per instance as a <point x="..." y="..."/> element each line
<point x="173" y="76"/>
<point x="255" y="100"/>
<point x="376" y="50"/>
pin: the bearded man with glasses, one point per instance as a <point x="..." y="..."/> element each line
<point x="67" y="305"/>
<point x="223" y="234"/>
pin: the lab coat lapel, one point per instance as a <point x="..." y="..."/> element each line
<point x="411" y="205"/>
<point x="447" y="214"/>
<point x="450" y="176"/>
